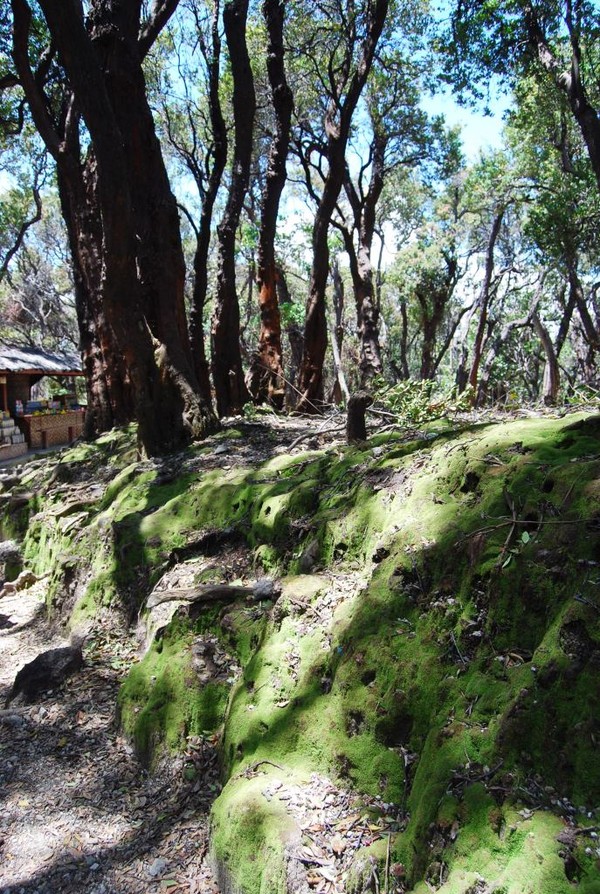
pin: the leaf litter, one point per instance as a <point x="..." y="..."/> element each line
<point x="79" y="813"/>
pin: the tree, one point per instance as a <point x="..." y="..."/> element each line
<point x="194" y="129"/>
<point x="120" y="213"/>
<point x="37" y="304"/>
<point x="434" y="258"/>
<point x="228" y="377"/>
<point x="400" y="134"/>
<point x="553" y="42"/>
<point x="343" y="76"/>
<point x="265" y="378"/>
<point x="20" y="209"/>
<point x="563" y="215"/>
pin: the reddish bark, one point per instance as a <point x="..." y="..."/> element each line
<point x="228" y="377"/>
<point x="140" y="249"/>
<point x="265" y="378"/>
<point x="337" y="128"/>
<point x="218" y="159"/>
<point x="295" y="340"/>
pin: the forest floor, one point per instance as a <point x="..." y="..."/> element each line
<point x="413" y="774"/>
<point x="79" y="813"/>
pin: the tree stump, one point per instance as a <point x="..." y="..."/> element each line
<point x="356" y="428"/>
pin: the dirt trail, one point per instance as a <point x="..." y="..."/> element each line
<point x="77" y="811"/>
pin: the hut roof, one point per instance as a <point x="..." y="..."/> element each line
<point x="34" y="361"/>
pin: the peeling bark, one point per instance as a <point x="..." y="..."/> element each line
<point x="265" y="378"/>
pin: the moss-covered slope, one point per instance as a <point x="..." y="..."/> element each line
<point x="440" y="662"/>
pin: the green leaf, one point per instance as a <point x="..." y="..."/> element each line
<point x="525" y="537"/>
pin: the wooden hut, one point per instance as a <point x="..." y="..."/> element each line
<point x="43" y="423"/>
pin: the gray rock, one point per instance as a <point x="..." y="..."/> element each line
<point x="10" y="551"/>
<point x="47" y="671"/>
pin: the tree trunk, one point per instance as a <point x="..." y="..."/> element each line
<point x="484" y="299"/>
<point x="571" y="84"/>
<point x="364" y="206"/>
<point x="339" y="392"/>
<point x="565" y="322"/>
<point x="337" y="127"/>
<point x="218" y="160"/>
<point x="108" y="393"/>
<point x="496" y="345"/>
<point x="356" y="427"/>
<point x="403" y="346"/>
<point x="295" y="340"/>
<point x="141" y="254"/>
<point x="265" y="378"/>
<point x="578" y="297"/>
<point x="551" y="380"/>
<point x="228" y="378"/>
<point x="109" y="398"/>
<point x="433" y="299"/>
<point x="310" y="380"/>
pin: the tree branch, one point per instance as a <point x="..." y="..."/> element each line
<point x="162" y="10"/>
<point x="21" y="234"/>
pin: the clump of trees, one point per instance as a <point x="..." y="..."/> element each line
<point x="227" y="171"/>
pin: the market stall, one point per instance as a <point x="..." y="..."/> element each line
<point x="48" y="428"/>
<point x="29" y="423"/>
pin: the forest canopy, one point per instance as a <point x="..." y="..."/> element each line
<point x="226" y="202"/>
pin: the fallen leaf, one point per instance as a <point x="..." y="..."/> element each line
<point x="348" y="822"/>
<point x="338" y="845"/>
<point x="326" y="873"/>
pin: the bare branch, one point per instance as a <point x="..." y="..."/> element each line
<point x="21" y="234"/>
<point x="162" y="10"/>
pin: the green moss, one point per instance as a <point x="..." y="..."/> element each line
<point x="161" y="702"/>
<point x="468" y="646"/>
<point x="249" y="837"/>
<point x="504" y="851"/>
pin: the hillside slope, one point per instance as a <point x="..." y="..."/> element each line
<point x="417" y="706"/>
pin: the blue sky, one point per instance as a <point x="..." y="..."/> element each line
<point x="479" y="131"/>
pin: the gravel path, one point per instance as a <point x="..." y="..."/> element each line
<point x="77" y="811"/>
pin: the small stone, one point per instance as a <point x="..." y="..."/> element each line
<point x="157" y="867"/>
